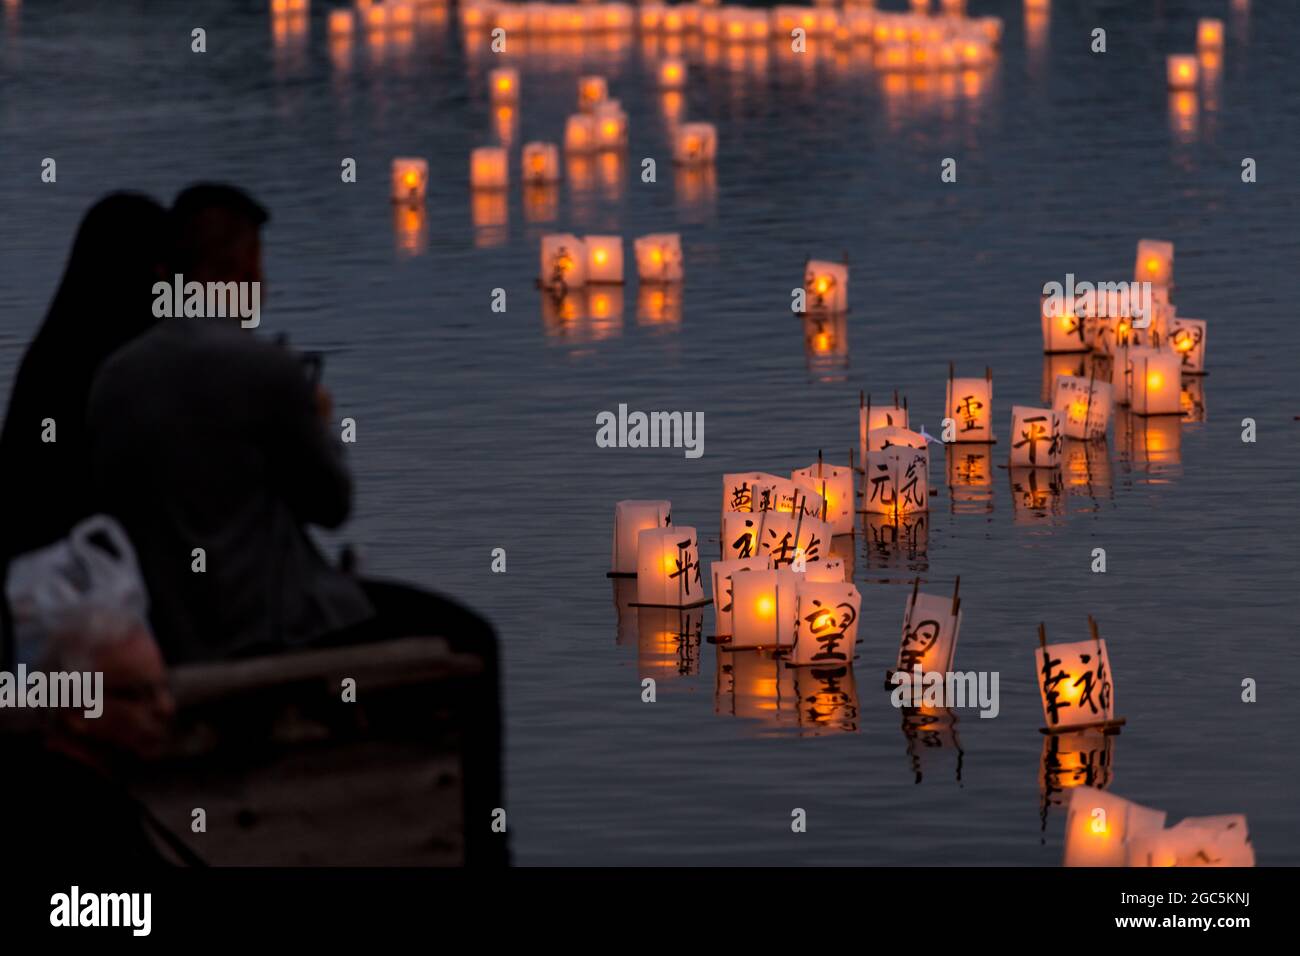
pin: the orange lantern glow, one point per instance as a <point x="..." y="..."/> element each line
<point x="659" y="257"/>
<point x="489" y="168"/>
<point x="969" y="405"/>
<point x="1154" y="379"/>
<point x="931" y="626"/>
<point x="695" y="144"/>
<point x="611" y="125"/>
<point x="604" y="258"/>
<point x="897" y="480"/>
<point x="1187" y="337"/>
<point x="969" y="470"/>
<point x="1182" y="71"/>
<point x="1194" y="841"/>
<point x="825" y="287"/>
<point x="834" y="485"/>
<point x="631" y="517"/>
<point x="784" y="495"/>
<point x="340" y="23"/>
<point x="1084" y="406"/>
<point x="668" y="568"/>
<point x="740" y="534"/>
<point x="1035" y="437"/>
<point x="592" y="90"/>
<point x="563" y="262"/>
<point x="580" y="134"/>
<point x="503" y="85"/>
<point x="410" y="179"/>
<point x="1075" y="683"/>
<point x="830" y="569"/>
<point x="740" y="490"/>
<point x="873" y="417"/>
<point x="827" y="623"/>
<point x="1209" y="34"/>
<point x="1155" y="262"/>
<point x="764" y="609"/>
<point x="723" y="573"/>
<point x="540" y="163"/>
<point x="672" y="74"/>
<point x="659" y="305"/>
<point x="1062" y="326"/>
<point x="1099" y="825"/>
<point x="789" y="540"/>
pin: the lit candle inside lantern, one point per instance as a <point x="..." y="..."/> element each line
<point x="659" y="257"/>
<point x="827" y="622"/>
<point x="611" y="125"/>
<point x="826" y="287"/>
<point x="1187" y="336"/>
<point x="1075" y="683"/>
<point x="764" y="609"/>
<point x="503" y="85"/>
<point x="564" y="262"/>
<point x="672" y="74"/>
<point x="1154" y="382"/>
<point x="541" y="163"/>
<point x="668" y="568"/>
<point x="1209" y="34"/>
<point x="340" y="23"/>
<point x="630" y="519"/>
<point x="871" y="418"/>
<point x="410" y="179"/>
<point x="580" y="134"/>
<point x="723" y="573"/>
<point x="604" y="258"/>
<point x="1062" y="326"/>
<point x="1122" y="371"/>
<point x="740" y="534"/>
<point x="897" y="480"/>
<point x="834" y="485"/>
<point x="592" y="90"/>
<point x="969" y="403"/>
<point x="931" y="626"/>
<point x="1083" y="405"/>
<point x="1155" y="262"/>
<point x="695" y="144"/>
<point x="489" y="168"/>
<point x="1182" y="71"/>
<point x="1099" y="825"/>
<point x="1035" y="437"/>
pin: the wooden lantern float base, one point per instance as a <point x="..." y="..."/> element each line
<point x="683" y="607"/>
<point x="1107" y="727"/>
<point x="620" y="574"/>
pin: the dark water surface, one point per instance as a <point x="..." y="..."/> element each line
<point x="476" y="428"/>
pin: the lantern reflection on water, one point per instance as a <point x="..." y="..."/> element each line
<point x="1187" y="337"/>
<point x="563" y="262"/>
<point x="827" y="699"/>
<point x="668" y="641"/>
<point x="659" y="306"/>
<point x="930" y="732"/>
<point x="895" y="541"/>
<point x="1098" y="825"/>
<point x="755" y="684"/>
<point x="1151" y="443"/>
<point x="1086" y="468"/>
<point x="764" y="608"/>
<point x="1075" y="683"/>
<point x="1194" y="841"/>
<point x="410" y="179"/>
<point x="826" y="343"/>
<point x="834" y="485"/>
<point x="659" y="257"/>
<point x="1082" y="758"/>
<point x="410" y="229"/>
<point x="631" y="517"/>
<point x="969" y="471"/>
<point x="969" y="403"/>
<point x="1035" y="437"/>
<point x="722" y="573"/>
<point x="668" y="568"/>
<point x="1035" y="494"/>
<point x="827" y="622"/>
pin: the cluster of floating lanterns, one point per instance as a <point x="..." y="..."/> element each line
<point x="1103" y="829"/>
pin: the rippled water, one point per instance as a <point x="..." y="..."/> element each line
<point x="476" y="428"/>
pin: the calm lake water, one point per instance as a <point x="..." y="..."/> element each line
<point x="475" y="428"/>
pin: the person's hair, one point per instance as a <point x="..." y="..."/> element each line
<point x="209" y="226"/>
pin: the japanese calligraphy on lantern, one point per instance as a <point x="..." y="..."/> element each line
<point x="738" y="489"/>
<point x="827" y="625"/>
<point x="1187" y="336"/>
<point x="1075" y="683"/>
<point x="834" y="485"/>
<point x="1035" y="437"/>
<point x="896" y="480"/>
<point x="1194" y="841"/>
<point x="1083" y="404"/>
<point x="740" y="534"/>
<point x="668" y="568"/>
<point x="722" y="573"/>
<point x="969" y="404"/>
<point x="930" y="627"/>
<point x="784" y="537"/>
<point x="872" y="418"/>
<point x="785" y="495"/>
<point x="764" y="609"/>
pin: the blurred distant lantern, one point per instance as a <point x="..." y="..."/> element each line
<point x="931" y="625"/>
<point x="1155" y="261"/>
<point x="738" y="489"/>
<point x="580" y="133"/>
<point x="592" y="91"/>
<point x="503" y="85"/>
<point x="1192" y="399"/>
<point x="825" y="286"/>
<point x="611" y="125"/>
<point x="834" y="484"/>
<point x="897" y="480"/>
<point x="1100" y="825"/>
<point x="564" y="262"/>
<point x="631" y="517"/>
<point x="340" y="23"/>
<point x="1084" y="405"/>
<point x="893" y="55"/>
<point x="970" y="406"/>
<point x="695" y="144"/>
<point x="1063" y="327"/>
<point x="722" y="573"/>
<point x="489" y="168"/>
<point x="827" y="625"/>
<point x="1075" y="684"/>
<point x="1194" y="841"/>
<point x="659" y="257"/>
<point x="673" y="21"/>
<point x="541" y="163"/>
<point x="1182" y="71"/>
<point x="377" y="16"/>
<point x="668" y="568"/>
<point x="1209" y="34"/>
<point x="764" y="608"/>
<point x="1187" y="336"/>
<point x="410" y="179"/>
<point x="672" y="74"/>
<point x="830" y="569"/>
<point x="784" y="495"/>
<point x="791" y="538"/>
<point x="872" y="417"/>
<point x="650" y="16"/>
<point x="1035" y="437"/>
<point x="604" y="258"/>
<point x="1155" y="377"/>
<point x="740" y="535"/>
<point x="1121" y="376"/>
<point x="991" y="27"/>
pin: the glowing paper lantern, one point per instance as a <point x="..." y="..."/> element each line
<point x="738" y="489"/>
<point x="580" y="133"/>
<point x="563" y="262"/>
<point x="1194" y="841"/>
<point x="1209" y="34"/>
<point x="611" y="125"/>
<point x="1121" y="375"/>
<point x="831" y="569"/>
<point x="1154" y="382"/>
<point x="604" y="258"/>
<point x="871" y="418"/>
<point x="541" y="163"/>
<point x="489" y="168"/>
<point x="969" y="404"/>
<point x="1083" y="405"/>
<point x="1035" y="437"/>
<point x="827" y="625"/>
<point x="826" y="287"/>
<point x="785" y="537"/>
<point x="834" y="485"/>
<point x="659" y="257"/>
<point x="786" y="496"/>
<point x="723" y="573"/>
<point x="1074" y="682"/>
<point x="1182" y="71"/>
<point x="592" y="91"/>
<point x="503" y="84"/>
<point x="1063" y="328"/>
<point x="1155" y="260"/>
<point x="410" y="178"/>
<point x="931" y="625"/>
<point x="1099" y="825"/>
<point x="897" y="480"/>
<point x="631" y="517"/>
<point x="740" y="535"/>
<point x="672" y="74"/>
<point x="668" y="568"/>
<point x="695" y="144"/>
<point x="764" y="609"/>
<point x="340" y="23"/>
<point x="1187" y="337"/>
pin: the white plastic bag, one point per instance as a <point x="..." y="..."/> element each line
<point x="76" y="584"/>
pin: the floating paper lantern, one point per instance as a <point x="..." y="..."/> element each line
<point x="410" y="179"/>
<point x="1075" y="684"/>
<point x="764" y="609"/>
<point x="1154" y="381"/>
<point x="738" y="489"/>
<point x="871" y="418"/>
<point x="1063" y="327"/>
<point x="831" y="569"/>
<point x="604" y="258"/>
<point x="897" y="480"/>
<point x="1195" y="841"/>
<point x="723" y="573"/>
<point x="564" y="262"/>
<point x="580" y="133"/>
<point x="1209" y="34"/>
<point x="695" y="144"/>
<point x="834" y="485"/>
<point x="540" y="163"/>
<point x="1121" y="372"/>
<point x="1083" y="405"/>
<point x="668" y="568"/>
<point x="785" y="538"/>
<point x="1182" y="71"/>
<point x="631" y="517"/>
<point x="489" y="168"/>
<point x="931" y="625"/>
<point x="1192" y="398"/>
<point x="1155" y="261"/>
<point x="672" y="74"/>
<point x="659" y="257"/>
<point x="786" y="496"/>
<point x="1035" y="437"/>
<point x="969" y="404"/>
<point x="826" y="287"/>
<point x="340" y="23"/>
<point x="592" y="91"/>
<point x="611" y="125"/>
<point x="1099" y="825"/>
<point x="503" y="84"/>
<point x="740" y="534"/>
<point x="827" y="625"/>
<point x="1187" y="337"/>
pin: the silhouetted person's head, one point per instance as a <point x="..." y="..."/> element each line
<point x="215" y="234"/>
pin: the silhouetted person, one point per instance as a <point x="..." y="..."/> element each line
<point x="205" y="436"/>
<point x="103" y="301"/>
